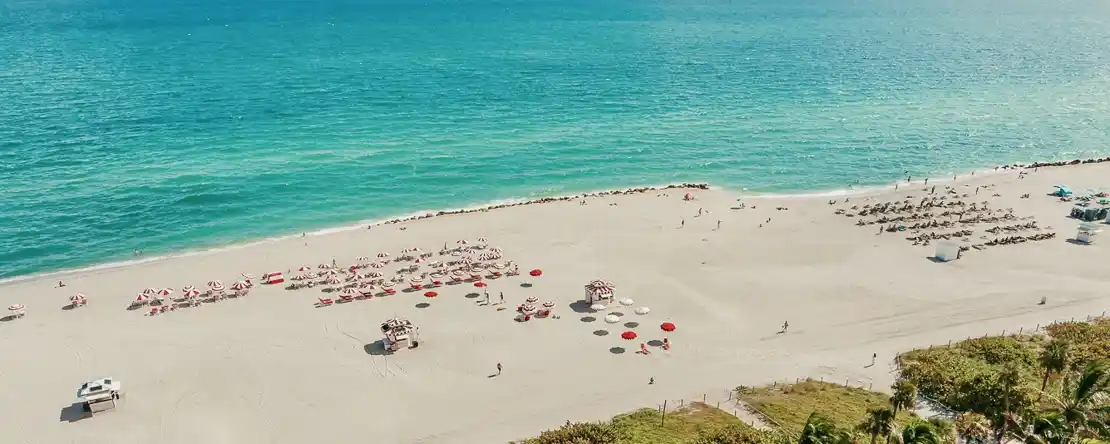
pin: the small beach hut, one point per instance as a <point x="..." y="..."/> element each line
<point x="1087" y="232"/>
<point x="947" y="251"/>
<point x="273" y="278"/>
<point x="399" y="333"/>
<point x="599" y="291"/>
<point x="99" y="395"/>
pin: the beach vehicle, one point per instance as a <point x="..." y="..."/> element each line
<point x="273" y="278"/>
<point x="398" y="334"/>
<point x="99" y="395"/>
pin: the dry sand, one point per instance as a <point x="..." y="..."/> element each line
<point x="271" y="368"/>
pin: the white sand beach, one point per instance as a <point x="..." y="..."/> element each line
<point x="271" y="367"/>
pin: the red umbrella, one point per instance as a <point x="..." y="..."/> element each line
<point x="628" y="335"/>
<point x="667" y="326"/>
<point x="431" y="294"/>
<point x="479" y="284"/>
<point x="535" y="273"/>
<point x="390" y="291"/>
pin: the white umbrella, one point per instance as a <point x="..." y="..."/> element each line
<point x="532" y="300"/>
<point x="626" y="302"/>
<point x="598" y="307"/>
<point x="643" y="311"/>
<point x="548" y="304"/>
<point x="528" y="308"/>
<point x="612" y="319"/>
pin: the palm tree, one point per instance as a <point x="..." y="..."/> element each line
<point x="818" y="430"/>
<point x="944" y="429"/>
<point x="1083" y="407"/>
<point x="1009" y="378"/>
<point x="973" y="427"/>
<point x="879" y="422"/>
<point x="903" y="397"/>
<point x="920" y="433"/>
<point x="1054" y="359"/>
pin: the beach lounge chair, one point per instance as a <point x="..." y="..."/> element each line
<point x="346" y="298"/>
<point x="154" y="311"/>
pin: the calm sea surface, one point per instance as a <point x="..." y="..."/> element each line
<point x="168" y="125"/>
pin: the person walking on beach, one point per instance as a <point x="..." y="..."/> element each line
<point x="683" y="224"/>
<point x="651" y="380"/>
<point x="498" y="369"/>
<point x="785" y="326"/>
<point x="873" y="357"/>
<point x="502" y="297"/>
<point x="718" y="224"/>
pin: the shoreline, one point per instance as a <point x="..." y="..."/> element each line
<point x="514" y="202"/>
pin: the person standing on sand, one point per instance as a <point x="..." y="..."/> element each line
<point x="873" y="357"/>
<point x="502" y="297"/>
<point x="683" y="224"/>
<point x="785" y="326"/>
<point x="718" y="224"/>
<point x="498" y="369"/>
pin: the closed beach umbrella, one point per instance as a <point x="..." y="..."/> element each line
<point x="628" y="335"/>
<point x="667" y="326"/>
<point x="598" y="307"/>
<point x="532" y="300"/>
<point x="431" y="294"/>
<point x="626" y="302"/>
<point x="612" y="319"/>
<point x="535" y="273"/>
<point x="479" y="284"/>
<point x="643" y="311"/>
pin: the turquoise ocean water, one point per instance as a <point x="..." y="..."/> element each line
<point x="170" y="125"/>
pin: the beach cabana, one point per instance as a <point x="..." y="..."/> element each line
<point x="947" y="251"/>
<point x="1087" y="232"/>
<point x="398" y="334"/>
<point x="599" y="291"/>
<point x="99" y="395"/>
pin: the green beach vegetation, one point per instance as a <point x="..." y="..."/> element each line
<point x="1037" y="389"/>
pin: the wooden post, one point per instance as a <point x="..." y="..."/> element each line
<point x="703" y="398"/>
<point x="1021" y="330"/>
<point x="1003" y="333"/>
<point x="663" y="416"/>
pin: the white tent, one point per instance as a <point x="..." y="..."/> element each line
<point x="947" y="251"/>
<point x="1087" y="232"/>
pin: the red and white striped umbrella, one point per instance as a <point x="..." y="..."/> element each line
<point x="332" y="281"/>
<point x="482" y="240"/>
<point x="459" y="273"/>
<point x="548" y="304"/>
<point x="415" y="250"/>
<point x="77" y="298"/>
<point x="324" y="266"/>
<point x="142" y="298"/>
<point x="462" y="242"/>
<point x="374" y="274"/>
<point x="532" y="300"/>
<point x="467" y="260"/>
<point x="387" y="284"/>
<point x="238" y="286"/>
<point x="349" y="292"/>
<point x="528" y="308"/>
<point x="383" y="254"/>
<point x="311" y="275"/>
<point x="305" y="268"/>
<point x="216" y="286"/>
<point x="419" y="260"/>
<point x="416" y="280"/>
<point x="16" y="307"/>
<point x="190" y="292"/>
<point x="150" y="291"/>
<point x="378" y="265"/>
<point x="165" y="292"/>
<point x="362" y="258"/>
<point x="329" y="273"/>
<point x="495" y="250"/>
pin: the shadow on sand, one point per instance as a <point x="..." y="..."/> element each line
<point x="580" y="307"/>
<point x="68" y="307"/>
<point x="1077" y="242"/>
<point x="376" y="348"/>
<point x="423" y="305"/>
<point x="601" y="332"/>
<point x="631" y="324"/>
<point x="73" y="413"/>
<point x="616" y="313"/>
<point x="588" y="319"/>
<point x="472" y="295"/>
<point x="655" y="343"/>
<point x="9" y="318"/>
<point x="617" y="350"/>
<point x="525" y="285"/>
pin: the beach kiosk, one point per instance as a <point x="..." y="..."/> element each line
<point x="1087" y="232"/>
<point x="947" y="251"/>
<point x="399" y="333"/>
<point x="599" y="292"/>
<point x="99" y="395"/>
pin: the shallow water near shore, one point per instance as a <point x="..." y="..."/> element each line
<point x="168" y="126"/>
